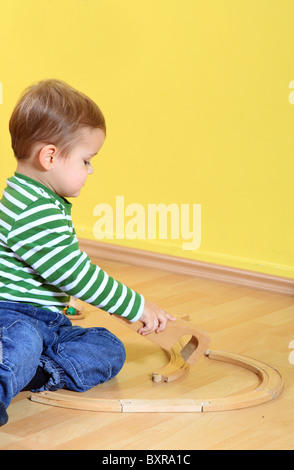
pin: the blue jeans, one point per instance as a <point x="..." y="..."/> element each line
<point x="75" y="358"/>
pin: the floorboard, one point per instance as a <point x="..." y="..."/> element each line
<point x="238" y="319"/>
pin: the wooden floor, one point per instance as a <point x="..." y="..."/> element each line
<point x="237" y="319"/>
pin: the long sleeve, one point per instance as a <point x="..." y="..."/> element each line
<point x="42" y="254"/>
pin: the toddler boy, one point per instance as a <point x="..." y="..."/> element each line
<point x="55" y="132"/>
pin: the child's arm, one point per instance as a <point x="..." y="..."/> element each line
<point x="153" y="319"/>
<point x="43" y="239"/>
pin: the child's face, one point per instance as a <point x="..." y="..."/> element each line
<point x="70" y="173"/>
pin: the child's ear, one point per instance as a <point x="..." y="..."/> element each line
<point x="47" y="156"/>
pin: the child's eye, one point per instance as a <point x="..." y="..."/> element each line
<point x="86" y="162"/>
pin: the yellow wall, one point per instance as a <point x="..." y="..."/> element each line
<point x="198" y="107"/>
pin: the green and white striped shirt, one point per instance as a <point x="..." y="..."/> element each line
<point x="40" y="260"/>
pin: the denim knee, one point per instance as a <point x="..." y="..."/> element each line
<point x="20" y="350"/>
<point x="90" y="357"/>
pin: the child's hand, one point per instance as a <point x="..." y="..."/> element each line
<point x="153" y="319"/>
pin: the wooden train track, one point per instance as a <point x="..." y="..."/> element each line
<point x="183" y="354"/>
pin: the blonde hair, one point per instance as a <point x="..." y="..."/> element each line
<point x="51" y="112"/>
